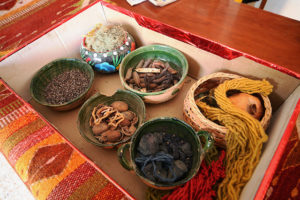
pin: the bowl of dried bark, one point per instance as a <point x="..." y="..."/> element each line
<point x="62" y="84"/>
<point x="155" y="72"/>
<point x="108" y="121"/>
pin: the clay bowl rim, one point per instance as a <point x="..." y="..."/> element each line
<point x="52" y="64"/>
<point x="138" y="51"/>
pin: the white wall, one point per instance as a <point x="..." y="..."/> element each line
<point x="287" y="8"/>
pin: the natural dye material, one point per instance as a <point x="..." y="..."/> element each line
<point x="105" y="38"/>
<point x="245" y="137"/>
<point x="113" y="123"/>
<point x="248" y="103"/>
<point x="152" y="75"/>
<point x="66" y="87"/>
<point x="163" y="157"/>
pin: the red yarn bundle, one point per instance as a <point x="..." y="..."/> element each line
<point x="201" y="187"/>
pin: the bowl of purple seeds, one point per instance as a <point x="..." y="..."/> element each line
<point x="62" y="84"/>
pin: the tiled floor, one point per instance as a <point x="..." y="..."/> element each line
<point x="11" y="186"/>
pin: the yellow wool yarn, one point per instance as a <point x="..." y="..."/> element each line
<point x="245" y="135"/>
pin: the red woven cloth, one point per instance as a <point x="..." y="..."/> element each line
<point x="21" y="22"/>
<point x="201" y="187"/>
<point x="285" y="183"/>
<point x="49" y="165"/>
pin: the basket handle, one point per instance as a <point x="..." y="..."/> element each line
<point x="122" y="159"/>
<point x="209" y="142"/>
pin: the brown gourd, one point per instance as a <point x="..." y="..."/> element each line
<point x="248" y="103"/>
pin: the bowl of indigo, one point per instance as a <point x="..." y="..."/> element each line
<point x="165" y="152"/>
<point x="62" y="84"/>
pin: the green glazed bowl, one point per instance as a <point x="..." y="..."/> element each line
<point x="134" y="102"/>
<point x="51" y="70"/>
<point x="161" y="52"/>
<point x="171" y="126"/>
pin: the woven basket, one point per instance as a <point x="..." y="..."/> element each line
<point x="193" y="116"/>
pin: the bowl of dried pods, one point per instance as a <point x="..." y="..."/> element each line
<point x="108" y="121"/>
<point x="62" y="84"/>
<point x="154" y="72"/>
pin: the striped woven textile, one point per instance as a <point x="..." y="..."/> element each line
<point x="45" y="161"/>
<point x="21" y="22"/>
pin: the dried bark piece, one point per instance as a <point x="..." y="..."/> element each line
<point x="147" y="63"/>
<point x="148" y="70"/>
<point x="159" y="80"/>
<point x="158" y="64"/>
<point x="140" y="64"/>
<point x="136" y="78"/>
<point x="128" y="74"/>
<point x="171" y="70"/>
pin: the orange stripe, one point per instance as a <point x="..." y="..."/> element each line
<point x="16" y="125"/>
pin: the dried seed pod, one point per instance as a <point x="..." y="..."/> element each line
<point x="110" y="136"/>
<point x="120" y="106"/>
<point x="125" y="122"/>
<point x="132" y="129"/>
<point x="136" y="78"/>
<point x="128" y="74"/>
<point x="129" y="115"/>
<point x="140" y="64"/>
<point x="98" y="129"/>
<point x="147" y="63"/>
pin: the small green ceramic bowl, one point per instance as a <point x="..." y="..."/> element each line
<point x="135" y="104"/>
<point x="161" y="52"/>
<point x="171" y="126"/>
<point x="51" y="70"/>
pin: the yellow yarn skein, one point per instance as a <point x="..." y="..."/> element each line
<point x="245" y="135"/>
